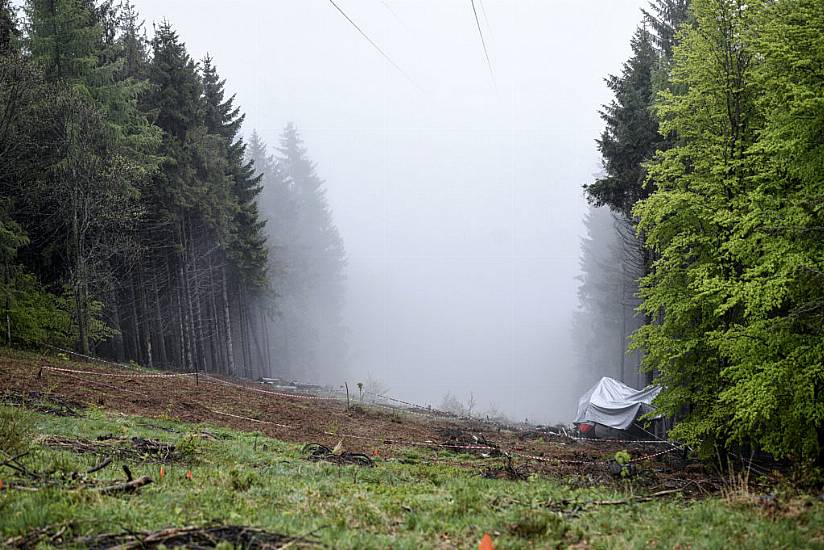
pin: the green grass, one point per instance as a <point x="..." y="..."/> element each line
<point x="247" y="478"/>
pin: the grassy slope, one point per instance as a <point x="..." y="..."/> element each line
<point x="246" y="478"/>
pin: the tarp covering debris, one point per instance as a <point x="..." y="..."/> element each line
<point x="614" y="404"/>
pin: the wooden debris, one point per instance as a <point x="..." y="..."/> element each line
<point x="123" y="448"/>
<point x="507" y="471"/>
<point x="195" y="538"/>
<point x="97" y="468"/>
<point x="128" y="487"/>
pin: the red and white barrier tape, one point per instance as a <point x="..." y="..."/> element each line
<point x="607" y="440"/>
<point x="120" y="375"/>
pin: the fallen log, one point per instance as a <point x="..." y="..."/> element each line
<point x="127" y="487"/>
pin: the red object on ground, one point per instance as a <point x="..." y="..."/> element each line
<point x="486" y="543"/>
<point x="585" y="428"/>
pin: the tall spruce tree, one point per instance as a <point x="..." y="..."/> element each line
<point x="631" y="135"/>
<point x="94" y="171"/>
<point x="664" y="18"/>
<point x="247" y="249"/>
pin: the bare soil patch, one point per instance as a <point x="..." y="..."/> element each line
<point x="368" y="430"/>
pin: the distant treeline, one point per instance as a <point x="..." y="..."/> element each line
<point x="713" y="152"/>
<point x="135" y="222"/>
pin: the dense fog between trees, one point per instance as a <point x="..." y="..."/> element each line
<point x="426" y="228"/>
<point x="458" y="200"/>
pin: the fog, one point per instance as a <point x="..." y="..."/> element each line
<point x="458" y="195"/>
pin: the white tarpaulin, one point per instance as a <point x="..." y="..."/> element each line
<point x="614" y="404"/>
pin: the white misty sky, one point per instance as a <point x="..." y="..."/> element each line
<point x="460" y="203"/>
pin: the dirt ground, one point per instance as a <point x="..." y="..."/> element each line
<point x="301" y="419"/>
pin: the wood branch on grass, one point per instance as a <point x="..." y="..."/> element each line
<point x="97" y="468"/>
<point x="127" y="487"/>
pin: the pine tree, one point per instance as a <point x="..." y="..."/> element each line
<point x="89" y="170"/>
<point x="134" y="46"/>
<point x="665" y="17"/>
<point x="8" y="28"/>
<point x="75" y="42"/>
<point x="62" y="37"/>
<point x="247" y="245"/>
<point x="605" y="318"/>
<point x="631" y="135"/>
<point x="280" y="301"/>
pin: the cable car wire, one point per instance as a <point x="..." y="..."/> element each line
<point x="374" y="45"/>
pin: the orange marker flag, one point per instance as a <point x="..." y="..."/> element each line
<point x="486" y="543"/>
<point x="189" y="474"/>
<point x="162" y="472"/>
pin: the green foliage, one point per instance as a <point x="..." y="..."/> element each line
<point x="622" y="458"/>
<point x="190" y="447"/>
<point x="16" y="430"/>
<point x="736" y="218"/>
<point x="242" y="479"/>
<point x="36" y="316"/>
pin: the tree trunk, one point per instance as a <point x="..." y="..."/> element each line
<point x="227" y="319"/>
<point x="117" y="339"/>
<point x="146" y="333"/>
<point x="161" y="333"/>
<point x="266" y="341"/>
<point x="137" y="353"/>
<point x="214" y="319"/>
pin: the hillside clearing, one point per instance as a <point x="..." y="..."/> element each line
<point x="225" y="482"/>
